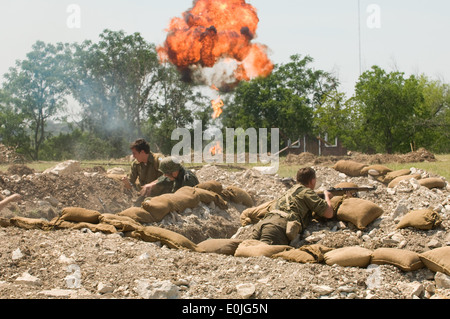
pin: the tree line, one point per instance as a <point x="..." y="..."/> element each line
<point x="123" y="93"/>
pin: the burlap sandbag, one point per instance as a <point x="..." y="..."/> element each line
<point x="296" y="255"/>
<point x="432" y="182"/>
<point x="349" y="168"/>
<point x="237" y="195"/>
<point x="166" y="237"/>
<point x="158" y="207"/>
<point x="143" y="216"/>
<point x="375" y="170"/>
<point x="359" y="212"/>
<point x="121" y="223"/>
<point x="253" y="215"/>
<point x="389" y="177"/>
<point x="424" y="219"/>
<point x="185" y="198"/>
<point x="29" y="223"/>
<point x="437" y="260"/>
<point x="349" y="257"/>
<point x="80" y="215"/>
<point x="256" y="248"/>
<point x="403" y="259"/>
<point x="397" y="180"/>
<point x="212" y="186"/>
<point x="58" y="223"/>
<point x="220" y="246"/>
<point x="207" y="196"/>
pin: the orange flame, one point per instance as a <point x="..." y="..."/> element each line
<point x="216" y="149"/>
<point x="214" y="30"/>
<point x="217" y="105"/>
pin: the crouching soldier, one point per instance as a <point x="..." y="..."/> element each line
<point x="293" y="211"/>
<point x="175" y="176"/>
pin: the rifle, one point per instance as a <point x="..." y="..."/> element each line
<point x="342" y="191"/>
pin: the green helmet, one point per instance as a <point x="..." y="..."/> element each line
<point x="169" y="165"/>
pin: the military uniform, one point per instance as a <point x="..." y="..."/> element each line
<point x="165" y="185"/>
<point x="298" y="204"/>
<point x="145" y="173"/>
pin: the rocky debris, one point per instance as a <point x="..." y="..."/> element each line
<point x="81" y="264"/>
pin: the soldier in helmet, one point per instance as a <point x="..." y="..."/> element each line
<point x="175" y="176"/>
<point x="292" y="212"/>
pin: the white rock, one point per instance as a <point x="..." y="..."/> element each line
<point x="28" y="279"/>
<point x="104" y="288"/>
<point x="154" y="289"/>
<point x="65" y="168"/>
<point x="322" y="289"/>
<point x="17" y="254"/>
<point x="246" y="290"/>
<point x="442" y="281"/>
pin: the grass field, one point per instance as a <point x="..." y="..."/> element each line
<point x="441" y="167"/>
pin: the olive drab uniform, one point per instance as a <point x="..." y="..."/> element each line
<point x="297" y="204"/>
<point x="185" y="178"/>
<point x="145" y="173"/>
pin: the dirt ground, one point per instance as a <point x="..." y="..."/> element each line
<point x="80" y="264"/>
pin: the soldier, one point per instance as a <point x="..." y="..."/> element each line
<point x="144" y="168"/>
<point x="175" y="177"/>
<point x="292" y="212"/>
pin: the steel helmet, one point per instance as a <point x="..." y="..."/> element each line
<point x="169" y="165"/>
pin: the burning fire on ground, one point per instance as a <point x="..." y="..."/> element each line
<point x="215" y="32"/>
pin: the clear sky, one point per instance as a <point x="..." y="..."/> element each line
<point x="408" y="36"/>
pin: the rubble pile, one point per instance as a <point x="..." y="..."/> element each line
<point x="82" y="264"/>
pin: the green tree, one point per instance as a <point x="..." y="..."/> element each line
<point x="114" y="81"/>
<point x="37" y="89"/>
<point x="12" y="126"/>
<point x="286" y="99"/>
<point x="386" y="105"/>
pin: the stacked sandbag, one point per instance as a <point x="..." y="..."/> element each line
<point x="121" y="223"/>
<point x="256" y="248"/>
<point x="401" y="258"/>
<point x="212" y="186"/>
<point x="397" y="180"/>
<point x="350" y="168"/>
<point x="437" y="260"/>
<point x="389" y="177"/>
<point x="237" y="195"/>
<point x="359" y="212"/>
<point x="220" y="246"/>
<point x="432" y="182"/>
<point x="253" y="215"/>
<point x="423" y="219"/>
<point x="375" y="170"/>
<point x="354" y="256"/>
<point x="308" y="254"/>
<point x="141" y="215"/>
<point x="167" y="237"/>
<point x="28" y="223"/>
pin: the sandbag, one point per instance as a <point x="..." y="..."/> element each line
<point x="256" y="248"/>
<point x="166" y="237"/>
<point x="359" y="212"/>
<point x="253" y="215"/>
<point x="29" y="223"/>
<point x="212" y="186"/>
<point x="432" y="182"/>
<point x="437" y="260"/>
<point x="296" y="255"/>
<point x="220" y="246"/>
<point x="375" y="170"/>
<point x="79" y="215"/>
<point x="349" y="257"/>
<point x="207" y="196"/>
<point x="184" y="198"/>
<point x="121" y="223"/>
<point x="349" y="168"/>
<point x="404" y="259"/>
<point x="397" y="180"/>
<point x="144" y="216"/>
<point x="424" y="219"/>
<point x="389" y="177"/>
<point x="158" y="207"/>
<point x="237" y="195"/>
<point x="58" y="223"/>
